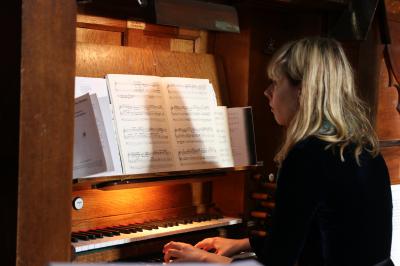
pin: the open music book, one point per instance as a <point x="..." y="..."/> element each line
<point x="168" y="124"/>
<point x="165" y="124"/>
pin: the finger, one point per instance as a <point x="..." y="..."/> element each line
<point x="204" y="243"/>
<point x="172" y="253"/>
<point x="220" y="252"/>
<point x="206" y="247"/>
<point x="178" y="260"/>
<point x="173" y="245"/>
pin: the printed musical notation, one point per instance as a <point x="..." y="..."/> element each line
<point x="165" y="122"/>
<point x="196" y="156"/>
<point x="187" y="91"/>
<point x="138" y="88"/>
<point x="205" y="132"/>
<point x="153" y="156"/>
<point x="155" y="133"/>
<point x="141" y="123"/>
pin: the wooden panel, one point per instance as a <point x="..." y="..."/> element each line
<point x="393" y="7"/>
<point x="388" y="119"/>
<point x="99" y="60"/>
<point x="229" y="194"/>
<point x="46" y="131"/>
<point x="128" y="201"/>
<point x="204" y="43"/>
<point x="10" y="110"/>
<point x="137" y="38"/>
<point x="236" y="67"/>
<point x="179" y="45"/>
<point x="101" y="23"/>
<point x="98" y="36"/>
<point x="368" y="68"/>
<point x="392" y="158"/>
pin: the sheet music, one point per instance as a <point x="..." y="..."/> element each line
<point x="223" y="142"/>
<point x="242" y="138"/>
<point x="141" y="123"/>
<point x="88" y="155"/>
<point x="98" y="86"/>
<point x="395" y="254"/>
<point x="190" y="102"/>
<point x="102" y="131"/>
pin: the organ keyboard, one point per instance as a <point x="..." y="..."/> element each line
<point x="123" y="234"/>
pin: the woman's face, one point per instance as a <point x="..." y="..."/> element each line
<point x="283" y="99"/>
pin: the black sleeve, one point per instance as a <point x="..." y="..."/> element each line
<point x="297" y="199"/>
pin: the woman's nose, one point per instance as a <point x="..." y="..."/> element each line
<point x="268" y="92"/>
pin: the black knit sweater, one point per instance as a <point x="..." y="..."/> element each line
<point x="346" y="207"/>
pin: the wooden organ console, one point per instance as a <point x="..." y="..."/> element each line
<point x="132" y="217"/>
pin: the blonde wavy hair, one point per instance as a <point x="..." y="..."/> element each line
<point x="329" y="108"/>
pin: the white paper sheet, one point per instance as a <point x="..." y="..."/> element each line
<point x="191" y="104"/>
<point x="88" y="154"/>
<point x="223" y="141"/>
<point x="241" y="133"/>
<point x="141" y="123"/>
<point x="98" y="87"/>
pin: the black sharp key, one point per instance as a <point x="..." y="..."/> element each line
<point x="96" y="234"/>
<point x="105" y="233"/>
<point x="74" y="239"/>
<point x="152" y="225"/>
<point x="136" y="227"/>
<point x="123" y="230"/>
<point x="146" y="227"/>
<point x="114" y="232"/>
<point x="90" y="235"/>
<point x="80" y="236"/>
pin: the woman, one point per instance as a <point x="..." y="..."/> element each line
<point x="332" y="178"/>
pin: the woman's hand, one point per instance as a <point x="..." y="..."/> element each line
<point x="224" y="246"/>
<point x="180" y="252"/>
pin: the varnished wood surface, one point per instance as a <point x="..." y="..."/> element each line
<point x="388" y="122"/>
<point x="393" y="7"/>
<point x="100" y="23"/>
<point x="236" y="68"/>
<point x="99" y="36"/>
<point x="9" y="116"/>
<point x="230" y="193"/>
<point x="388" y="118"/>
<point x="155" y="179"/>
<point x="392" y="158"/>
<point x="103" y="208"/>
<point x="46" y="131"/>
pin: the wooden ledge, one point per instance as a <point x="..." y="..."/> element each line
<point x="155" y="179"/>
